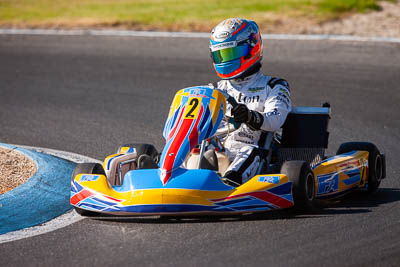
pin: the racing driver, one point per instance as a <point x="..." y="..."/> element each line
<point x="264" y="101"/>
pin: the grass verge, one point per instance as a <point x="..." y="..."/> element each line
<point x="192" y="15"/>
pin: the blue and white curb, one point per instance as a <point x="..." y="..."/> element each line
<point x="43" y="197"/>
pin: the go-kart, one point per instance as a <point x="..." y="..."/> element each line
<point x="185" y="179"/>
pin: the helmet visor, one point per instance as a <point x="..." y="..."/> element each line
<point x="231" y="53"/>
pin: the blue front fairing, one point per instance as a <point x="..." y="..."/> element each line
<point x="182" y="179"/>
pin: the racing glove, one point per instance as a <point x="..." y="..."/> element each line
<point x="241" y="114"/>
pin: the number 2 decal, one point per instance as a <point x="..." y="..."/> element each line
<point x="193" y="104"/>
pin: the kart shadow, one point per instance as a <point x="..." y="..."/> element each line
<point x="272" y="215"/>
<point x="361" y="201"/>
<point x="354" y="203"/>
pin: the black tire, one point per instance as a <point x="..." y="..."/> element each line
<point x="141" y="149"/>
<point x="376" y="162"/>
<point x="90" y="168"/>
<point x="303" y="183"/>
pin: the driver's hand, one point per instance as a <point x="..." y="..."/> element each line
<point x="240" y="113"/>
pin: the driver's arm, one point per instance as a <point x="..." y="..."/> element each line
<point x="277" y="106"/>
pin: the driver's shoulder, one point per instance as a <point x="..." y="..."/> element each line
<point x="272" y="82"/>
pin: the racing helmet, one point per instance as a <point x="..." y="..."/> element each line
<point x="235" y="46"/>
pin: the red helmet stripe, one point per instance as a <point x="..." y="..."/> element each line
<point x="241" y="27"/>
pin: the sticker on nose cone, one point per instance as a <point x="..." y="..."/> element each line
<point x="269" y="179"/>
<point x="86" y="178"/>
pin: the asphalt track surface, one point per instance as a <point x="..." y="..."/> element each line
<point x="88" y="95"/>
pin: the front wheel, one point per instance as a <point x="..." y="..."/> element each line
<point x="303" y="183"/>
<point x="376" y="162"/>
<point x="89" y="168"/>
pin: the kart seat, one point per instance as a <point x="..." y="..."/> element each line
<point x="305" y="134"/>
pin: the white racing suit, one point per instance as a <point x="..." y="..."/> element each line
<point x="271" y="98"/>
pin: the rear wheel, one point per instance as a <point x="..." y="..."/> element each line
<point x="303" y="183"/>
<point x="376" y="162"/>
<point x="89" y="168"/>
